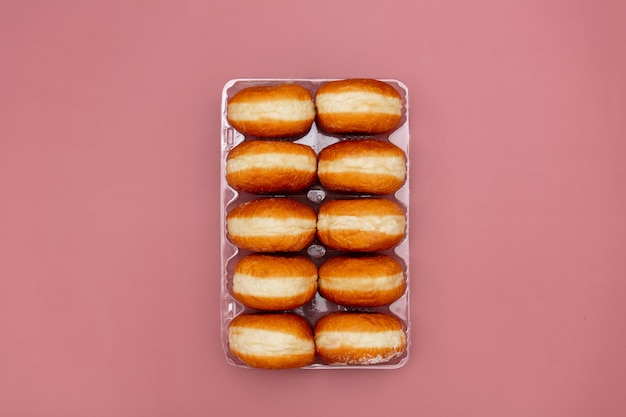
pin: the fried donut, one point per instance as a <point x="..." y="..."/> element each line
<point x="358" y="106"/>
<point x="272" y="111"/>
<point x="271" y="282"/>
<point x="361" y="225"/>
<point x="345" y="338"/>
<point x="365" y="166"/>
<point x="273" y="224"/>
<point x="270" y="166"/>
<point x="361" y="281"/>
<point x="272" y="341"/>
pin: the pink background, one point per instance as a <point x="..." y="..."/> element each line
<point x="109" y="209"/>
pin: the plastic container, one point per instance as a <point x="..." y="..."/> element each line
<point x="314" y="196"/>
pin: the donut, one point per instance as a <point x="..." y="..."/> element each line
<point x="347" y="338"/>
<point x="358" y="106"/>
<point x="365" y="166"/>
<point x="273" y="224"/>
<point x="272" y="341"/>
<point x="272" y="111"/>
<point x="361" y="225"/>
<point x="361" y="281"/>
<point x="272" y="282"/>
<point x="270" y="166"/>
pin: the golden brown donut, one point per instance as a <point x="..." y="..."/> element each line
<point x="345" y="338"/>
<point x="272" y="224"/>
<point x="361" y="281"/>
<point x="272" y="282"/>
<point x="270" y="166"/>
<point x="272" y="341"/>
<point x="364" y="166"/>
<point x="358" y="106"/>
<point x="272" y="111"/>
<point x="361" y="225"/>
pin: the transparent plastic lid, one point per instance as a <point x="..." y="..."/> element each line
<point x="314" y="196"/>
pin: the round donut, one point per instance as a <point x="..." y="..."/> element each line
<point x="272" y="111"/>
<point x="272" y="282"/>
<point x="270" y="166"/>
<point x="361" y="281"/>
<point x="361" y="225"/>
<point x="358" y="106"/>
<point x="346" y="338"/>
<point x="365" y="166"/>
<point x="273" y="224"/>
<point x="272" y="341"/>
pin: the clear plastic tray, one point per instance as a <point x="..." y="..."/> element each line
<point x="314" y="196"/>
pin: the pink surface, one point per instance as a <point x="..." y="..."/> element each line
<point x="109" y="210"/>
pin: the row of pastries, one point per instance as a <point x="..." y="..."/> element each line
<point x="342" y="106"/>
<point x="287" y="340"/>
<point x="286" y="282"/>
